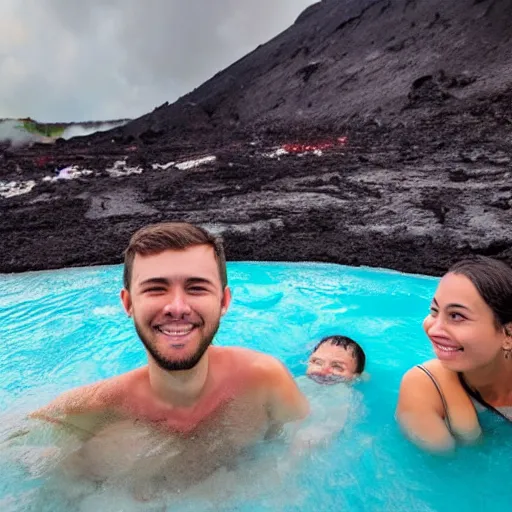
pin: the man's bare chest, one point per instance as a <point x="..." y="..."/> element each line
<point x="135" y="446"/>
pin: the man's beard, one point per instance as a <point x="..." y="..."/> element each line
<point x="174" y="365"/>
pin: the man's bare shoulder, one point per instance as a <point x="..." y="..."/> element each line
<point x="271" y="378"/>
<point x="104" y="394"/>
<point x="250" y="360"/>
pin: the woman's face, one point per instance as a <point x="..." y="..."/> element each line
<point x="461" y="326"/>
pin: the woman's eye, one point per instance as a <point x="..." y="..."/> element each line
<point x="457" y="316"/>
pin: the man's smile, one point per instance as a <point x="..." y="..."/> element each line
<point x="175" y="330"/>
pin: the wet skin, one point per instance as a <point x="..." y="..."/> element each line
<point x="195" y="405"/>
<point x="467" y="340"/>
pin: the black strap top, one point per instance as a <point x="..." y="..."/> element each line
<point x="443" y="399"/>
<point x="475" y="395"/>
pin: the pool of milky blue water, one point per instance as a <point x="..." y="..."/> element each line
<point x="66" y="328"/>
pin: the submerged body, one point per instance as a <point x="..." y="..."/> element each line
<point x="129" y="434"/>
<point x="332" y="407"/>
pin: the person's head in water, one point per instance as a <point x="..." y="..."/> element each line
<point x="470" y="318"/>
<point x="175" y="288"/>
<point x="336" y="359"/>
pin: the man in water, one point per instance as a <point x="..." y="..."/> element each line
<point x="336" y="359"/>
<point x="194" y="407"/>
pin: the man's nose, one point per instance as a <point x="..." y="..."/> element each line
<point x="177" y="304"/>
<point x="325" y="370"/>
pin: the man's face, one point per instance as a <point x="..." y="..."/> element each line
<point x="330" y="364"/>
<point x="176" y="301"/>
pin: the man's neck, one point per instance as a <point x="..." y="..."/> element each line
<point x="181" y="388"/>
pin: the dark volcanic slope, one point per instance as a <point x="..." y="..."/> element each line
<point x="345" y="60"/>
<point x="421" y="89"/>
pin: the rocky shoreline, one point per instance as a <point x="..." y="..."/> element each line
<point x="375" y="201"/>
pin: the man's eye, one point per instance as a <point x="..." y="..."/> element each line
<point x="197" y="289"/>
<point x="154" y="289"/>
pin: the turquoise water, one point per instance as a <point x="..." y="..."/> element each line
<point x="66" y="328"/>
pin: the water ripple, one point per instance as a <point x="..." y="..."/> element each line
<point x="67" y="328"/>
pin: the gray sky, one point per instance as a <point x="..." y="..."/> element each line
<point x="77" y="60"/>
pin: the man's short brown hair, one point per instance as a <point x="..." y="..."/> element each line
<point x="156" y="238"/>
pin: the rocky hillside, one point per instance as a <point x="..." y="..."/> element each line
<point x="371" y="132"/>
<point x="345" y="62"/>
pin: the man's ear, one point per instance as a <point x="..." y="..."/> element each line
<point x="226" y="301"/>
<point x="127" y="301"/>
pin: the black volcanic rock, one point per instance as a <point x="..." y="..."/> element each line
<point x="422" y="90"/>
<point x="345" y="60"/>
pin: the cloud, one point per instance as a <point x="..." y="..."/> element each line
<point x="62" y="60"/>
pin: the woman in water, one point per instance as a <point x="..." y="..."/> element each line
<point x="470" y="328"/>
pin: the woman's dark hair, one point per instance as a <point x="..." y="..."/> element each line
<point x="493" y="281"/>
<point x="348" y="344"/>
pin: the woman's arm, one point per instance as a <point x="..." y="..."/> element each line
<point x="420" y="413"/>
